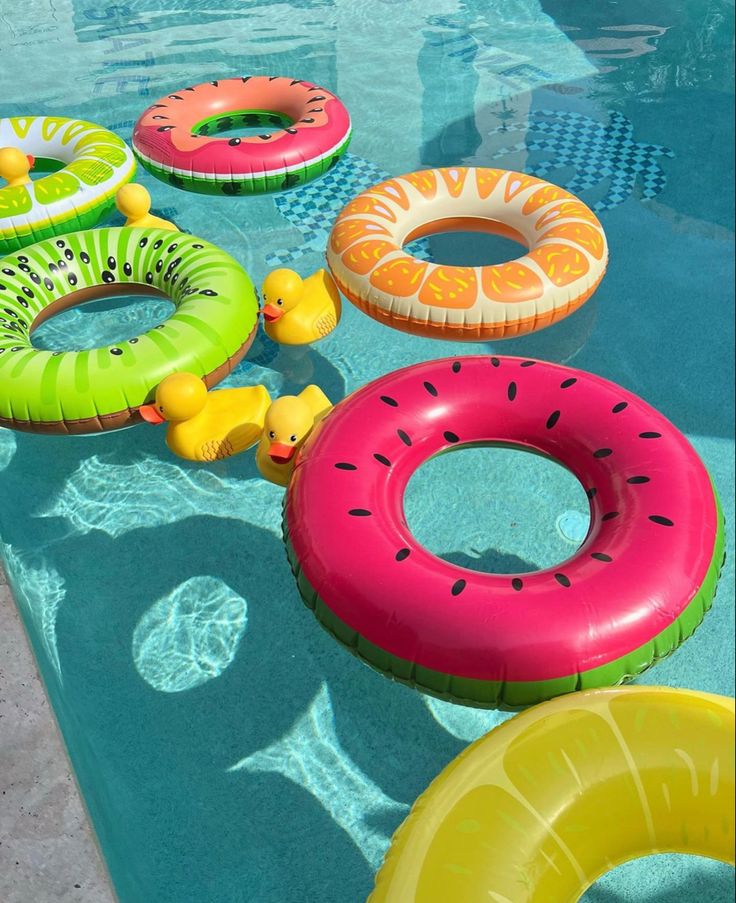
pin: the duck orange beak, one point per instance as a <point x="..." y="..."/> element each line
<point x="271" y="313"/>
<point x="280" y="453"/>
<point x="31" y="160"/>
<point x="149" y="413"/>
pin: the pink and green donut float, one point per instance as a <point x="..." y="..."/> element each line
<point x="638" y="586"/>
<point x="305" y="129"/>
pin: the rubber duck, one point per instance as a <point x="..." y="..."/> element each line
<point x="299" y="311"/>
<point x="289" y="420"/>
<point x="134" y="202"/>
<point x="207" y="426"/>
<point x="15" y="166"/>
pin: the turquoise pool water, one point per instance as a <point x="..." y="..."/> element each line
<point x="227" y="748"/>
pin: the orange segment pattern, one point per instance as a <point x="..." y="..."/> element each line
<point x="561" y="263"/>
<point x="582" y="234"/>
<point x="394" y="191"/>
<point x="454" y="179"/>
<point x="567" y="210"/>
<point x="543" y="196"/>
<point x="348" y="231"/>
<point x="401" y="276"/>
<point x="366" y="203"/>
<point x="518" y="183"/>
<point x="486" y="180"/>
<point x="361" y="258"/>
<point x="449" y="287"/>
<point x="425" y="182"/>
<point x="511" y="282"/>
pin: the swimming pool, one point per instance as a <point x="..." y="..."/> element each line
<point x="226" y="747"/>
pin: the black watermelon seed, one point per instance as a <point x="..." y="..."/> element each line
<point x="107" y="276"/>
<point x="638" y="480"/>
<point x="22" y="301"/>
<point x="431" y="389"/>
<point x="566" y="383"/>
<point x="264" y="137"/>
<point x="601" y="556"/>
<point x="35" y="278"/>
<point x="157" y="244"/>
<point x="495" y="362"/>
<point x="404" y="437"/>
<point x="72" y="279"/>
<point x="149" y="278"/>
<point x="132" y="341"/>
<point x="450" y="437"/>
<point x="359" y="512"/>
<point x="315" y="99"/>
<point x="60" y="243"/>
<point x="172" y="248"/>
<point x="562" y="580"/>
<point x="8" y="271"/>
<point x="402" y="554"/>
<point x="457" y="587"/>
<point x="527" y="363"/>
<point x="650" y="435"/>
<point x="662" y="521"/>
<point x="127" y="269"/>
<point x="392" y="402"/>
<point x="10" y="312"/>
<point x="83" y="256"/>
<point x="62" y="264"/>
<point x="22" y="258"/>
<point x="382" y="459"/>
<point x="159" y="117"/>
<point x="245" y="78"/>
<point x="111" y="263"/>
<point x="455" y="367"/>
<point x="165" y="128"/>
<point x="309" y="120"/>
<point x="198" y="247"/>
<point x="610" y="515"/>
<point x="234" y="142"/>
<point x="602" y="452"/>
<point x="48" y="283"/>
<point x="512" y="391"/>
<point x="552" y="419"/>
<point x="291" y="131"/>
<point x="517" y="583"/>
<point x="116" y="351"/>
<point x="343" y="465"/>
<point x="24" y="268"/>
<point x="176" y="96"/>
<point x="591" y="492"/>
<point x="28" y="291"/>
<point x="208" y="293"/>
<point x="316" y="109"/>
<point x="142" y="243"/>
<point x="52" y="269"/>
<point x="621" y="406"/>
<point x="159" y="266"/>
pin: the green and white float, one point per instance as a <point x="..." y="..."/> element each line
<point x="86" y="164"/>
<point x="211" y="329"/>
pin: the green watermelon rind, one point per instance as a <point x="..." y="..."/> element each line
<point x="255" y="185"/>
<point x="515" y="695"/>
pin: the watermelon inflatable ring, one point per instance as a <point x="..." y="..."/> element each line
<point x="637" y="587"/>
<point x="566" y="260"/>
<point x="305" y="131"/>
<point x="85" y="166"/>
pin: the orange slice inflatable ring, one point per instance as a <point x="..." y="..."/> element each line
<point x="566" y="260"/>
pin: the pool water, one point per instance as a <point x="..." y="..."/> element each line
<point x="226" y="747"/>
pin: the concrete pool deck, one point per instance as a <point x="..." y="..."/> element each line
<point x="47" y="849"/>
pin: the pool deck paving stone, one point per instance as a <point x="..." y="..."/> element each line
<point x="47" y="849"/>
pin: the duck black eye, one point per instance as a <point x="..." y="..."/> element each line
<point x="272" y="435"/>
<point x="292" y="438"/>
<point x="279" y="301"/>
<point x="161" y="409"/>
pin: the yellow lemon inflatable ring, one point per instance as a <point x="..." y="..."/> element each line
<point x="566" y="260"/>
<point x="541" y="807"/>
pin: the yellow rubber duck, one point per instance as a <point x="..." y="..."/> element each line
<point x="134" y="202"/>
<point x="289" y="421"/>
<point x="15" y="166"/>
<point x="299" y="311"/>
<point x="207" y="426"/>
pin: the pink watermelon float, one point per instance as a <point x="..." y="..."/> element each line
<point x="305" y="130"/>
<point x="638" y="586"/>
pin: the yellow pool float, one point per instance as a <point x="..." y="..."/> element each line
<point x="538" y="809"/>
